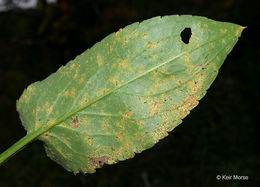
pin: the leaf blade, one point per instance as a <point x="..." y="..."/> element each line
<point x="136" y="85"/>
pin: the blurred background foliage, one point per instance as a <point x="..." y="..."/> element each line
<point x="220" y="136"/>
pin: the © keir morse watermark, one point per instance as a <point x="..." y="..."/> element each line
<point x="232" y="177"/>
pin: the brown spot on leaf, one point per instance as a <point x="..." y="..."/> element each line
<point x="99" y="161"/>
<point x="81" y="80"/>
<point x="205" y="25"/>
<point x="152" y="45"/>
<point x="75" y="122"/>
<point x="111" y="49"/>
<point x="129" y="113"/>
<point x="123" y="64"/>
<point x="187" y="105"/>
<point x="125" y="40"/>
<point x="223" y="31"/>
<point x="99" y="60"/>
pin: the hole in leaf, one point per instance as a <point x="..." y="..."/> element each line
<point x="185" y="35"/>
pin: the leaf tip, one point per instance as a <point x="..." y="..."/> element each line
<point x="240" y="30"/>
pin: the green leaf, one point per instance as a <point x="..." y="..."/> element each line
<point x="125" y="93"/>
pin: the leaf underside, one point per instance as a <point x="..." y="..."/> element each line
<point x="125" y="93"/>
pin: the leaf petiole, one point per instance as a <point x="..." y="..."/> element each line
<point x="22" y="142"/>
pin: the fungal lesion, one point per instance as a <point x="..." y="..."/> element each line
<point x="99" y="161"/>
<point x="144" y="35"/>
<point x="99" y="60"/>
<point x="152" y="45"/>
<point x="75" y="122"/>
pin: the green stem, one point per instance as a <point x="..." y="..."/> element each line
<point x="22" y="142"/>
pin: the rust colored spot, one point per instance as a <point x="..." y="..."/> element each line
<point x="113" y="65"/>
<point x="66" y="93"/>
<point x="81" y="80"/>
<point x="223" y="31"/>
<point x="76" y="123"/>
<point x="110" y="49"/>
<point x="152" y="45"/>
<point x="228" y="48"/>
<point x="129" y="113"/>
<point x="99" y="161"/>
<point x="119" y="31"/>
<point x="125" y="40"/>
<point x="123" y="64"/>
<point x="45" y="135"/>
<point x="94" y="104"/>
<point x="75" y="120"/>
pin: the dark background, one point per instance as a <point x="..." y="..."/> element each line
<point x="220" y="136"/>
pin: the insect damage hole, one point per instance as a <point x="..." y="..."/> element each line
<point x="185" y="35"/>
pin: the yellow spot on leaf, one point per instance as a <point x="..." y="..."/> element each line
<point x="119" y="31"/>
<point x="51" y="122"/>
<point x="66" y="94"/>
<point x="135" y="34"/>
<point x="104" y="127"/>
<point x="141" y="69"/>
<point x="187" y="105"/>
<point x="95" y="104"/>
<point x="152" y="45"/>
<point x="223" y="31"/>
<point x="99" y="60"/>
<point x="49" y="111"/>
<point x="123" y="64"/>
<point x="37" y="124"/>
<point x="88" y="140"/>
<point x="129" y="113"/>
<point x="114" y="80"/>
<point x="113" y="65"/>
<point x="144" y="35"/>
<point x="75" y="75"/>
<point x="238" y="31"/>
<point x="111" y="49"/>
<point x="187" y="57"/>
<point x="228" y="48"/>
<point x="30" y="89"/>
<point x="73" y="92"/>
<point x="81" y="80"/>
<point x="126" y="40"/>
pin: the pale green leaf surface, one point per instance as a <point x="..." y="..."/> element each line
<point x="125" y="93"/>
